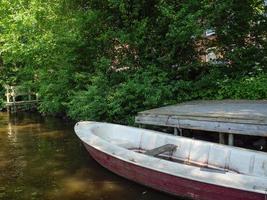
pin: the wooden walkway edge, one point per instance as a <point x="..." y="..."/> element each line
<point x="244" y="117"/>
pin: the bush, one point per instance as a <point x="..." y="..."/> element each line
<point x="245" y="88"/>
<point x="90" y="104"/>
<point x="120" y="102"/>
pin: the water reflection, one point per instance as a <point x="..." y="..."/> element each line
<point x="41" y="158"/>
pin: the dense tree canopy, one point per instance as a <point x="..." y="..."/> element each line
<point x="107" y="60"/>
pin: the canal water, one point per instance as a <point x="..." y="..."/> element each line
<point x="41" y="158"/>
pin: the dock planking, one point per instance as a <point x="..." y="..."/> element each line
<point x="245" y="117"/>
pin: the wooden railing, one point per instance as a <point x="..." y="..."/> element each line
<point x="28" y="99"/>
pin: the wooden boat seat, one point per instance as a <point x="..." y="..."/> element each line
<point x="162" y="149"/>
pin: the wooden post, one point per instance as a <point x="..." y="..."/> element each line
<point x="175" y="131"/>
<point x="7" y="97"/>
<point x="231" y="139"/>
<point x="180" y="132"/>
<point x="13" y="95"/>
<point x="14" y="101"/>
<point x="221" y="138"/>
<point x="29" y="95"/>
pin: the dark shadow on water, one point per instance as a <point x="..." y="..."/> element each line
<point x="41" y="158"/>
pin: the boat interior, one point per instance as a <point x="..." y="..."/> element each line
<point x="207" y="155"/>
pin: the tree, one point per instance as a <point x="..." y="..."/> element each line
<point x="107" y="60"/>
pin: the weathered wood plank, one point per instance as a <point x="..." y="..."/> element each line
<point x="161" y="149"/>
<point x="228" y="110"/>
<point x="207" y="118"/>
<point x="22" y="102"/>
<point x="235" y="117"/>
<point x="226" y="127"/>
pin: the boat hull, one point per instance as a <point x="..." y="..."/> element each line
<point x="168" y="183"/>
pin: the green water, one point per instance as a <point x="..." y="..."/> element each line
<point x="41" y="158"/>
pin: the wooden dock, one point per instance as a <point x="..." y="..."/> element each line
<point x="28" y="99"/>
<point x="225" y="117"/>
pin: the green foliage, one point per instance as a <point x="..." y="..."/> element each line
<point x="107" y="60"/>
<point x="91" y="103"/>
<point x="241" y="28"/>
<point x="103" y="101"/>
<point x="51" y="87"/>
<point x="146" y="89"/>
<point x="246" y="88"/>
<point x="1" y="103"/>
